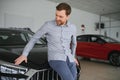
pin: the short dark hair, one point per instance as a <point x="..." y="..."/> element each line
<point x="64" y="6"/>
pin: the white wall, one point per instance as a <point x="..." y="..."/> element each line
<point x="80" y="17"/>
<point x="33" y="13"/>
<point x="112" y="27"/>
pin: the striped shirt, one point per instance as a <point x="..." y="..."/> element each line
<point x="61" y="40"/>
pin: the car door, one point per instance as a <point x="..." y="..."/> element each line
<point x="97" y="48"/>
<point x="83" y="46"/>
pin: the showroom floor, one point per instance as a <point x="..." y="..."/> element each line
<point x="98" y="70"/>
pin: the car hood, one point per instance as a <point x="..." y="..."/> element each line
<point x="37" y="57"/>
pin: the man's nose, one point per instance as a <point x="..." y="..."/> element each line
<point x="57" y="18"/>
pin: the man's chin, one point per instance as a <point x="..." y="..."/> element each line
<point x="59" y="24"/>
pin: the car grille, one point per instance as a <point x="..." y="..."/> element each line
<point x="44" y="74"/>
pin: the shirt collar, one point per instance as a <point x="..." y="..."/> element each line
<point x="68" y="23"/>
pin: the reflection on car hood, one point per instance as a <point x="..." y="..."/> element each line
<point x="37" y="57"/>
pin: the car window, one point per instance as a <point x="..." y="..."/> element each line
<point x="93" y="39"/>
<point x="11" y="37"/>
<point x="29" y="36"/>
<point x="17" y="37"/>
<point x="82" y="38"/>
<point x="108" y="39"/>
<point x="23" y="37"/>
<point x="97" y="40"/>
<point x="40" y="41"/>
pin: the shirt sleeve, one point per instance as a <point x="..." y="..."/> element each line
<point x="74" y="42"/>
<point x="43" y="30"/>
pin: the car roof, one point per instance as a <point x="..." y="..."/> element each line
<point x="90" y="35"/>
<point x="15" y="29"/>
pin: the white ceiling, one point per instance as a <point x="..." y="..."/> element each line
<point x="100" y="7"/>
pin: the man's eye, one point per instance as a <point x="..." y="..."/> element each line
<point x="61" y="17"/>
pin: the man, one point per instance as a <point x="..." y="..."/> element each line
<point x="61" y="38"/>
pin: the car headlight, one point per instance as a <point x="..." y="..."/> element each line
<point x="11" y="70"/>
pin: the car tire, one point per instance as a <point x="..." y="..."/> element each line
<point x="114" y="58"/>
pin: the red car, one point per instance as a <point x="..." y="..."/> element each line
<point x="99" y="47"/>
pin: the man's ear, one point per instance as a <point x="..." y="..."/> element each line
<point x="68" y="17"/>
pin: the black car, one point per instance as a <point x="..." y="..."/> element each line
<point x="12" y="42"/>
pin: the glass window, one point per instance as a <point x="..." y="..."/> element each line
<point x="40" y="41"/>
<point x="82" y="38"/>
<point x="11" y="37"/>
<point x="93" y="39"/>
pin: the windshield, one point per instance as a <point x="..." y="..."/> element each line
<point x="109" y="39"/>
<point x="16" y="37"/>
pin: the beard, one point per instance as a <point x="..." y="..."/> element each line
<point x="59" y="22"/>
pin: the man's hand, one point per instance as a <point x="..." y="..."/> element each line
<point x="20" y="59"/>
<point x="76" y="61"/>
